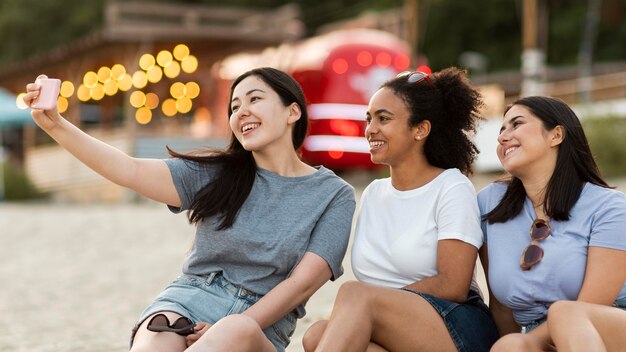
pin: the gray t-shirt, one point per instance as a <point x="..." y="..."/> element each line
<point x="282" y="218"/>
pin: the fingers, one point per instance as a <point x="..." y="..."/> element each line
<point x="200" y="329"/>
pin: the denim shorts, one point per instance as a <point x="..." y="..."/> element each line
<point x="470" y="324"/>
<point x="619" y="303"/>
<point x="210" y="298"/>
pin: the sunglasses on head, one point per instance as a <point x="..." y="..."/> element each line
<point x="182" y="326"/>
<point x="532" y="255"/>
<point x="415" y="77"/>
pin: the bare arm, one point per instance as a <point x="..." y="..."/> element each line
<point x="148" y="177"/>
<point x="455" y="267"/>
<point x="502" y="315"/>
<point x="308" y="276"/>
<point x="603" y="278"/>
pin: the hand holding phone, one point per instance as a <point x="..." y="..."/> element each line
<point x="48" y="94"/>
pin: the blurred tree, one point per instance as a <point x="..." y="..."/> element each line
<point x="491" y="28"/>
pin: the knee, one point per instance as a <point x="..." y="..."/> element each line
<point x="561" y="310"/>
<point x="352" y="291"/>
<point x="313" y="335"/>
<point x="511" y="342"/>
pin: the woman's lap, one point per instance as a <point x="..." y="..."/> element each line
<point x="211" y="298"/>
<point x="469" y="324"/>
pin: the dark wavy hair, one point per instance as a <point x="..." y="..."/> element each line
<point x="574" y="164"/>
<point x="225" y="195"/>
<point x="452" y="106"/>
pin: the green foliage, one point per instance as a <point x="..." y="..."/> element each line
<point x="29" y="27"/>
<point x="17" y="186"/>
<point x="607" y="142"/>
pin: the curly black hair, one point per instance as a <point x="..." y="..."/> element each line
<point x="451" y="104"/>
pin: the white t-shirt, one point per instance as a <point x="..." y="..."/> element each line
<point x="397" y="232"/>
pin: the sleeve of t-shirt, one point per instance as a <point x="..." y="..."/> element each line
<point x="458" y="216"/>
<point x="331" y="234"/>
<point x="609" y="224"/>
<point x="189" y="178"/>
<point x="482" y="210"/>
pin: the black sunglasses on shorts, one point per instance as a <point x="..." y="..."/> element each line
<point x="182" y="326"/>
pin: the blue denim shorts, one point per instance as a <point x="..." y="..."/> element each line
<point x="619" y="303"/>
<point x="470" y="324"/>
<point x="208" y="299"/>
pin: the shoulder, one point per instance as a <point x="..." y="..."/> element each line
<point x="328" y="180"/>
<point x="491" y="195"/>
<point x="600" y="199"/>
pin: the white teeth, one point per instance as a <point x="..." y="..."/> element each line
<point x="376" y="144"/>
<point x="506" y="152"/>
<point x="250" y="126"/>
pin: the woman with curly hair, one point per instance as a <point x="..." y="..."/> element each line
<point x="418" y="231"/>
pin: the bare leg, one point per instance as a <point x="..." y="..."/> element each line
<point x="519" y="343"/>
<point x="580" y="326"/>
<point x="392" y="319"/>
<point x="235" y="332"/>
<point x="314" y="334"/>
<point x="146" y="340"/>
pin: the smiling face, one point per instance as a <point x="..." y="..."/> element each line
<point x="259" y="118"/>
<point x="525" y="146"/>
<point x="390" y="137"/>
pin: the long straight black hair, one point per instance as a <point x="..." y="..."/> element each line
<point x="225" y="195"/>
<point x="574" y="164"/>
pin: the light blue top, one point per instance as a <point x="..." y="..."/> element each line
<point x="597" y="219"/>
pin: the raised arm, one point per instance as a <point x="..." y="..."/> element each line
<point x="148" y="177"/>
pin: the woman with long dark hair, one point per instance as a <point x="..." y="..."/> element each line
<point x="554" y="237"/>
<point x="271" y="229"/>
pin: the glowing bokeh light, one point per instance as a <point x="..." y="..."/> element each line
<point x="20" y="103"/>
<point x="164" y="58"/>
<point x="383" y="59"/>
<point x="178" y="90"/>
<point x="169" y="107"/>
<point x="193" y="89"/>
<point x="140" y="79"/>
<point x="152" y="101"/>
<point x="146" y="61"/>
<point x="110" y="88"/>
<point x="137" y="99"/>
<point x="143" y="116"/>
<point x="181" y="51"/>
<point x="172" y="70"/>
<point x="183" y="105"/>
<point x="90" y="79"/>
<point x="118" y="72"/>
<point x="97" y="92"/>
<point x="340" y="66"/>
<point x="189" y="64"/>
<point x="154" y="74"/>
<point x="83" y="93"/>
<point x="364" y="58"/>
<point x="125" y="83"/>
<point x="104" y="74"/>
<point x="62" y="104"/>
<point x="67" y="89"/>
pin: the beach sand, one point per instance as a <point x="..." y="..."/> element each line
<point x="75" y="277"/>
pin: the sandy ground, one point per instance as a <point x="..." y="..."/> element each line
<point x="75" y="277"/>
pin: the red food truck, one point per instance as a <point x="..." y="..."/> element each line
<point x="338" y="72"/>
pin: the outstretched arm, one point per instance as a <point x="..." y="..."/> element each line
<point x="148" y="177"/>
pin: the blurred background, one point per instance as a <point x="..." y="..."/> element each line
<point x="81" y="257"/>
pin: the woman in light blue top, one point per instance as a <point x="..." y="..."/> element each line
<point x="555" y="251"/>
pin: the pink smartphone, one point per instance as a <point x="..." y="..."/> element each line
<point x="48" y="94"/>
